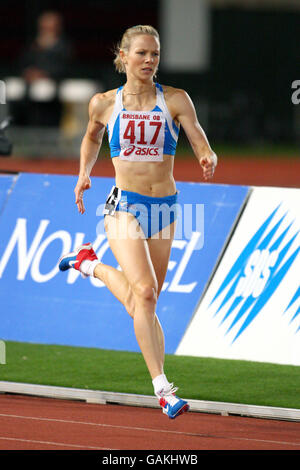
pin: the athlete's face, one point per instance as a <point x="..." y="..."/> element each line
<point x="142" y="58"/>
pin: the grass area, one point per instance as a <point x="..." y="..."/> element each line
<point x="198" y="378"/>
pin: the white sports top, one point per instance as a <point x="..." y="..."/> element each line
<point x="142" y="135"/>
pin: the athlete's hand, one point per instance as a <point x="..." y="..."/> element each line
<point x="208" y="165"/>
<point x="83" y="183"/>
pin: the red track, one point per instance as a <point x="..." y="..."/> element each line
<point x="251" y="171"/>
<point x="50" y="424"/>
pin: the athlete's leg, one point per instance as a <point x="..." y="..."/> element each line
<point x="132" y="253"/>
<point x="160" y="249"/>
<point x="117" y="283"/>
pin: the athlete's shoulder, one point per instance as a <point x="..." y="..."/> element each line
<point x="176" y="99"/>
<point x="101" y="101"/>
<point x="173" y="94"/>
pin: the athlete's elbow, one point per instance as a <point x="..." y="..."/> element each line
<point x="93" y="138"/>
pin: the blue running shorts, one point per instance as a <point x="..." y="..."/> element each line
<point x="152" y="213"/>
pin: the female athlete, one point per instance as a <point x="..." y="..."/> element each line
<point x="142" y="119"/>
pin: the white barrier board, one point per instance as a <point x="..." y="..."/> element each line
<point x="251" y="309"/>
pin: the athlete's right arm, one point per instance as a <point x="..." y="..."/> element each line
<point x="90" y="148"/>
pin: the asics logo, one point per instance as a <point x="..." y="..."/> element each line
<point x="152" y="151"/>
<point x="129" y="150"/>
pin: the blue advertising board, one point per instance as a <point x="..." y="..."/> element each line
<point x="6" y="184"/>
<point x="40" y="222"/>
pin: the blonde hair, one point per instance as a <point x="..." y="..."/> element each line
<point x="125" y="42"/>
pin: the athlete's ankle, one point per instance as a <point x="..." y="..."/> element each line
<point x="87" y="267"/>
<point x="160" y="383"/>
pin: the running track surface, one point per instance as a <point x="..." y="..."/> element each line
<point x="31" y="423"/>
<point x="253" y="171"/>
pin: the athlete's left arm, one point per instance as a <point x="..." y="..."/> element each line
<point x="186" y="115"/>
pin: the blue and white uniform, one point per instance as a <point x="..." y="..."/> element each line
<point x="142" y="136"/>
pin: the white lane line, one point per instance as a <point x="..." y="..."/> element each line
<point x="134" y="428"/>
<point x="31" y="441"/>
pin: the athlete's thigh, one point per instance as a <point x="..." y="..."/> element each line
<point x="160" y="249"/>
<point x="130" y="248"/>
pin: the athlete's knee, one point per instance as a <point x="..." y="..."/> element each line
<point x="145" y="291"/>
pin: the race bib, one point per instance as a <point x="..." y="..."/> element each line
<point x="142" y="135"/>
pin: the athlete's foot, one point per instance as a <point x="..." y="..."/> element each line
<point x="75" y="258"/>
<point x="172" y="405"/>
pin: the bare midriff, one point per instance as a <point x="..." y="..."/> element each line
<point x="153" y="179"/>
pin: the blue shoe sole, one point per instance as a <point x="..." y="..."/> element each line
<point x="180" y="408"/>
<point x="184" y="409"/>
<point x="64" y="262"/>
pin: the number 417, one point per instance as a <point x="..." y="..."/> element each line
<point x="130" y="132"/>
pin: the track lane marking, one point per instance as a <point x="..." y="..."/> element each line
<point x="134" y="428"/>
<point x="52" y="443"/>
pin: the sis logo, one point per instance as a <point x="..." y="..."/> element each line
<point x="257" y="273"/>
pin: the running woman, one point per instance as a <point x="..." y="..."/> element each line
<point x="142" y="119"/>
